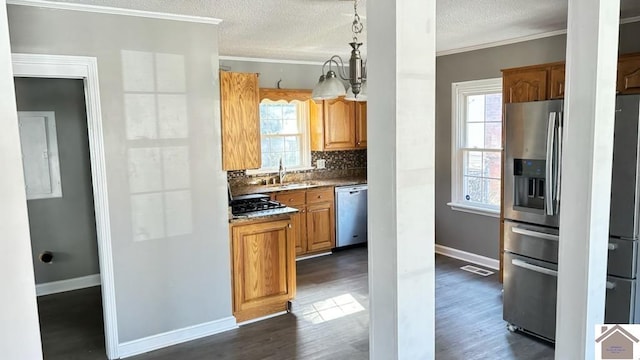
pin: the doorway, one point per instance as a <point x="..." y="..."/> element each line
<point x="56" y="159"/>
<point x="85" y="70"/>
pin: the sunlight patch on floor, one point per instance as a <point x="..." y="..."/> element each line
<point x="332" y="308"/>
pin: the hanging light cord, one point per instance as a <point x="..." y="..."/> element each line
<point x="357" y="25"/>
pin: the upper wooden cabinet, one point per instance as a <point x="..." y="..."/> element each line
<point x="240" y="112"/>
<point x="629" y="74"/>
<point x="556" y="82"/>
<point x="523" y="85"/>
<point x="547" y="81"/>
<point x="339" y="125"/>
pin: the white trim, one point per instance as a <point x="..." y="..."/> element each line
<point x="313" y="256"/>
<point x="115" y="11"/>
<point x="519" y="39"/>
<point x="468" y="257"/>
<point x="262" y="318"/>
<point x="478" y="210"/>
<point x="173" y="337"/>
<point x="86" y="68"/>
<point x="265" y="60"/>
<point x="55" y="287"/>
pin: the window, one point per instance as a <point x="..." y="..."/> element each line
<point x="476" y="146"/>
<point x="284" y="135"/>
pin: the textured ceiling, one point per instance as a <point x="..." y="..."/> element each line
<point x="310" y="29"/>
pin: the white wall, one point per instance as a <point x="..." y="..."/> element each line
<point x="19" y="331"/>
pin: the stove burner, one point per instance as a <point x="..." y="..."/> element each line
<point x="253" y="203"/>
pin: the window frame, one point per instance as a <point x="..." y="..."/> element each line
<point x="305" y="142"/>
<point x="459" y="92"/>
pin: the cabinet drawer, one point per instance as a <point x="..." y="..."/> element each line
<point x="293" y="199"/>
<point x="320" y="195"/>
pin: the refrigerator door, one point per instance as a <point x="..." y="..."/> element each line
<point x="532" y="162"/>
<point x="620" y="306"/>
<point x="624" y="180"/>
<point x="622" y="258"/>
<point x="530" y="294"/>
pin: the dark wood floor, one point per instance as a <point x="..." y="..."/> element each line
<point x="329" y="320"/>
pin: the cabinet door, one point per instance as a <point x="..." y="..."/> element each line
<point x="263" y="268"/>
<point x="239" y="107"/>
<point x="629" y="75"/>
<point x="522" y="86"/>
<point x="339" y="124"/>
<point x="321" y="234"/>
<point x="301" y="239"/>
<point x="556" y="82"/>
<point x="361" y="125"/>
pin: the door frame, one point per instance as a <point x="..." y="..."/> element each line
<point x="86" y="69"/>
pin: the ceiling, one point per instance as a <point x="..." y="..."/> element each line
<point x="316" y="29"/>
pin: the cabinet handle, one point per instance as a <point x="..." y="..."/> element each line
<point x="302" y="211"/>
<point x="289" y="225"/>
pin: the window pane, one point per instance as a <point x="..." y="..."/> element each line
<point x="270" y="126"/>
<point x="491" y="165"/>
<point x="472" y="189"/>
<point x="277" y="144"/>
<point x="291" y="159"/>
<point x="473" y="163"/>
<point x="289" y="112"/>
<point x="493" y="135"/>
<point x="292" y="143"/>
<point x="290" y="127"/>
<point x="493" y="107"/>
<point x="475" y="108"/>
<point x="264" y="145"/>
<point x="270" y="160"/>
<point x="475" y="135"/>
<point x="491" y="192"/>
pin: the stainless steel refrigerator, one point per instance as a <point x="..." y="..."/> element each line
<point x="532" y="178"/>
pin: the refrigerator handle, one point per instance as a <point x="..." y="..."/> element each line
<point x="558" y="163"/>
<point x="535" y="234"/>
<point x="548" y="181"/>
<point x="536" y="268"/>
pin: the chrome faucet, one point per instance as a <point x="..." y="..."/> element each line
<point x="282" y="172"/>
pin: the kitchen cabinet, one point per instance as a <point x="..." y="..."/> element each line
<point x="317" y="218"/>
<point x="361" y="125"/>
<point x="629" y="74"/>
<point x="556" y="82"/>
<point x="240" y="118"/>
<point x="525" y="84"/>
<point x="263" y="266"/>
<point x="338" y="124"/>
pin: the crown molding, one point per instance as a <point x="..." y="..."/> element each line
<point x="519" y="39"/>
<point x="265" y="60"/>
<point x="114" y="11"/>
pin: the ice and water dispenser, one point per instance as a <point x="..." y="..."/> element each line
<point x="529" y="183"/>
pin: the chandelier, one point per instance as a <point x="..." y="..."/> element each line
<point x="329" y="86"/>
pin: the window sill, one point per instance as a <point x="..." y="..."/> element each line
<point x="474" y="209"/>
<point x="275" y="171"/>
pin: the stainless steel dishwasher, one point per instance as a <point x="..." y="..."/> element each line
<point x="351" y="215"/>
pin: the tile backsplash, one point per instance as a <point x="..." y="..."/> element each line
<point x="349" y="163"/>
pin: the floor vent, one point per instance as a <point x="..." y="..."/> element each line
<point x="476" y="270"/>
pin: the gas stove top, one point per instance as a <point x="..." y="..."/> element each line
<point x="251" y="203"/>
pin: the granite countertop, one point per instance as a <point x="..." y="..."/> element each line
<point x="296" y="185"/>
<point x="256" y="215"/>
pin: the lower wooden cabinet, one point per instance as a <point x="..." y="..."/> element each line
<point x="263" y="266"/>
<point x="317" y="218"/>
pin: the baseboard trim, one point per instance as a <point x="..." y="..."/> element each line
<point x="154" y="342"/>
<point x="55" y="287"/>
<point x="313" y="256"/>
<point x="468" y="257"/>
